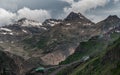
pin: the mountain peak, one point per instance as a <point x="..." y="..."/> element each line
<point x="74" y="16"/>
<point x="113" y="17"/>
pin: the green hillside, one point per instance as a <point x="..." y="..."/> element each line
<point x="92" y="47"/>
<point x="107" y="63"/>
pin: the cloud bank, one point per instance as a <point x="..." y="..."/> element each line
<point x="7" y="17"/>
<point x="38" y="15"/>
<point x="84" y="5"/>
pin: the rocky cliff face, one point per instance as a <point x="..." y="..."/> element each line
<point x="61" y="40"/>
<point x="109" y="23"/>
<point x="10" y="64"/>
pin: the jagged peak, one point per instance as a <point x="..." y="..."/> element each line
<point x="112" y="16"/>
<point x="110" y="19"/>
<point x="74" y="16"/>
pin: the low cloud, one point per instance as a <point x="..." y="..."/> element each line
<point x="7" y="17"/>
<point x="38" y="15"/>
<point x="84" y="5"/>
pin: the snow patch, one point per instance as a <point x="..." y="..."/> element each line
<point x="68" y="24"/>
<point x="5" y="29"/>
<point x="11" y="33"/>
<point x="5" y="33"/>
<point x="44" y="28"/>
<point x="82" y="31"/>
<point x="117" y="31"/>
<point x="29" y="23"/>
<point x="12" y="42"/>
<point x="81" y="17"/>
<point x="87" y="24"/>
<point x="110" y="28"/>
<point x="79" y="22"/>
<point x="24" y="31"/>
<point x="1" y="41"/>
<point x="53" y="23"/>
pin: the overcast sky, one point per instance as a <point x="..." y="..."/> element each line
<point x="40" y="10"/>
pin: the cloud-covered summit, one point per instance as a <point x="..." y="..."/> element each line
<point x="40" y="10"/>
<point x="85" y="6"/>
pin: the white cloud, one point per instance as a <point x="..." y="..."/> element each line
<point x="6" y="17"/>
<point x="84" y="5"/>
<point x="38" y="15"/>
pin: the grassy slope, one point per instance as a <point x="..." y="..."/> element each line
<point x="88" y="48"/>
<point x="93" y="46"/>
<point x="99" y="66"/>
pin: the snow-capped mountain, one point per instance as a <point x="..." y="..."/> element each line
<point x="76" y="17"/>
<point x="51" y="22"/>
<point x="21" y="29"/>
<point x="28" y="23"/>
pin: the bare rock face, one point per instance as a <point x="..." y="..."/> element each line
<point x="56" y="57"/>
<point x="53" y="58"/>
<point x="10" y="64"/>
<point x="63" y="38"/>
<point x="109" y="23"/>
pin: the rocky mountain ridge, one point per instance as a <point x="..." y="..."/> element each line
<point x="53" y="40"/>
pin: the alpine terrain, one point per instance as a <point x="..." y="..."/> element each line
<point x="71" y="46"/>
